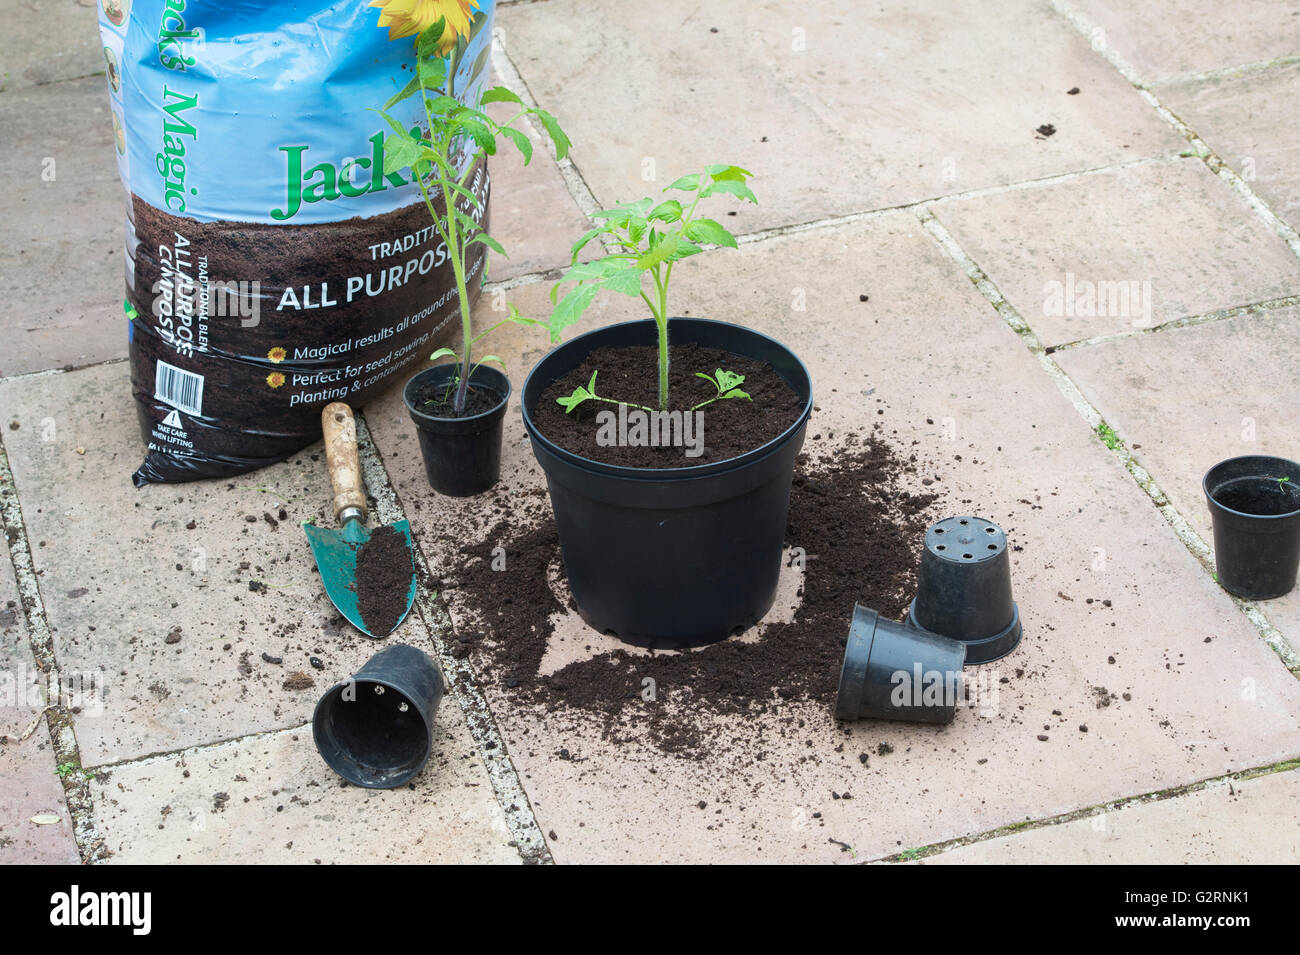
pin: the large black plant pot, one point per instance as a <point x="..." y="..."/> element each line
<point x="672" y="557"/>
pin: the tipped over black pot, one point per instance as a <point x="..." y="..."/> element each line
<point x="894" y="672"/>
<point x="462" y="456"/>
<point x="672" y="557"/>
<point x="376" y="730"/>
<point x="1254" y="503"/>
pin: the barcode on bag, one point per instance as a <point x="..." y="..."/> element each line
<point x="179" y="388"/>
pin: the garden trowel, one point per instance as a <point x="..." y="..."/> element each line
<point x="336" y="550"/>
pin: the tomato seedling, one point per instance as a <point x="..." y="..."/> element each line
<point x="646" y="240"/>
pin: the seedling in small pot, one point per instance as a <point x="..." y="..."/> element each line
<point x="435" y="156"/>
<point x="648" y="239"/>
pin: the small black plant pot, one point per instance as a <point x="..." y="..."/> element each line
<point x="893" y="672"/>
<point x="376" y="730"/>
<point x="462" y="456"/>
<point x="963" y="589"/>
<point x="672" y="557"/>
<point x="1255" y="505"/>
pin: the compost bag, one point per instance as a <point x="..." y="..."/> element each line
<point x="271" y="266"/>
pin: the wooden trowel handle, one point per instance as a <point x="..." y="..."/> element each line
<point x="342" y="459"/>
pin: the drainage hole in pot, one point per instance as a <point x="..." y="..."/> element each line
<point x="402" y="707"/>
<point x="967" y="556"/>
<point x="993" y="546"/>
<point x="963" y="522"/>
<point x="379" y="690"/>
<point x="990" y="530"/>
<point x="938" y="530"/>
<point x="939" y="547"/>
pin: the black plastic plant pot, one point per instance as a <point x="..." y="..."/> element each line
<point x="1255" y="505"/>
<point x="893" y="672"/>
<point x="462" y="456"/>
<point x="376" y="730"/>
<point x="672" y="557"/>
<point x="963" y="589"/>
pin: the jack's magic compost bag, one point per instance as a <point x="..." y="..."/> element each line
<point x="271" y="266"/>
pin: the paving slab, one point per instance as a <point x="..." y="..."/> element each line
<point x="61" y="264"/>
<point x="1247" y="121"/>
<point x="172" y="596"/>
<point x="46" y="41"/>
<point x="1184" y="399"/>
<point x="29" y="786"/>
<point x="1123" y="250"/>
<point x="1170" y="37"/>
<point x="1228" y="823"/>
<point x="944" y="99"/>
<point x="934" y="351"/>
<point x="271" y="799"/>
<point x="532" y="213"/>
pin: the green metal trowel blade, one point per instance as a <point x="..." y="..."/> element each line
<point x="336" y="560"/>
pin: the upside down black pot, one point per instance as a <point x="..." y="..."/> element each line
<point x="376" y="729"/>
<point x="1254" y="503"/>
<point x="462" y="456"/>
<point x="671" y="557"/>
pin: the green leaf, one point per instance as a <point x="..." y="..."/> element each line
<point x="399" y="153"/>
<point x="580" y="394"/>
<point x="514" y="315"/>
<point x="670" y="210"/>
<point x="728" y="173"/>
<point x="499" y="94"/>
<point x="726" y="380"/>
<point x="405" y="92"/>
<point x="685" y="183"/>
<point x="496" y="359"/>
<point x="570" y="308"/>
<point x="626" y="280"/>
<point x="444" y="105"/>
<point x="521" y="141"/>
<point x="665" y="247"/>
<point x="430" y="74"/>
<point x="731" y="186"/>
<point x="485" y="239"/>
<point x="442" y="353"/>
<point x="427" y="42"/>
<point x="736" y="393"/>
<point x="582" y="242"/>
<point x="557" y="135"/>
<point x="394" y="124"/>
<point x="683" y="250"/>
<point x="710" y="231"/>
<point x="481" y="135"/>
<point x="707" y="377"/>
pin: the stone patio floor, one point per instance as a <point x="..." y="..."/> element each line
<point x="900" y="152"/>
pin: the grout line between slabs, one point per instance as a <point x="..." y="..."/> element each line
<point x="1184" y="530"/>
<point x="1191" y="321"/>
<point x="506" y="785"/>
<point x="511" y="77"/>
<point x="1229" y="72"/>
<point x="1212" y="160"/>
<point x="1101" y="809"/>
<point x="58" y="718"/>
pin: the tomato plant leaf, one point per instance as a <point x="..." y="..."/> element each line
<point x="710" y="231"/>
<point x="731" y="186"/>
